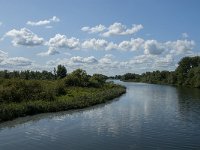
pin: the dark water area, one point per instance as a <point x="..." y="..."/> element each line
<point x="146" y="117"/>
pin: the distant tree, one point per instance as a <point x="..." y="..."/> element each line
<point x="61" y="71"/>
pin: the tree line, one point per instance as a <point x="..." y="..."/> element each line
<point x="58" y="73"/>
<point x="186" y="74"/>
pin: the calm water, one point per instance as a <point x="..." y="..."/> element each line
<point x="146" y="117"/>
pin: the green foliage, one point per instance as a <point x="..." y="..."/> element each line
<point x="21" y="96"/>
<point x="186" y="74"/>
<point x="130" y="76"/>
<point x="80" y="78"/>
<point x="97" y="80"/>
<point x="61" y="71"/>
<point x="75" y="98"/>
<point x="27" y="74"/>
<point x="28" y="90"/>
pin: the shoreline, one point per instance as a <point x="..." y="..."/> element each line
<point x="87" y="97"/>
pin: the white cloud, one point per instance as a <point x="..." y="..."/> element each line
<point x="87" y="60"/>
<point x="98" y="44"/>
<point x="1" y="23"/>
<point x="16" y="62"/>
<point x="96" y="29"/>
<point x="13" y="62"/>
<point x="106" y="60"/>
<point x="166" y="61"/>
<point x="114" y="29"/>
<point x="60" y="41"/>
<point x="120" y="29"/>
<point x="43" y="22"/>
<point x="111" y="56"/>
<point x="143" y="63"/>
<point x="91" y="64"/>
<point x="51" y="51"/>
<point x="24" y="37"/>
<point x="108" y="65"/>
<point x="132" y="45"/>
<point x="143" y="59"/>
<point x="180" y="46"/>
<point x="153" y="47"/>
<point x="111" y="46"/>
<point x="95" y="44"/>
<point x="150" y="47"/>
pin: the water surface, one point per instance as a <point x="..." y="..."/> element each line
<point x="146" y="117"/>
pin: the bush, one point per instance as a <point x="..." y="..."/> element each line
<point x="26" y="90"/>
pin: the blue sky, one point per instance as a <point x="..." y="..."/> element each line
<point x="100" y="36"/>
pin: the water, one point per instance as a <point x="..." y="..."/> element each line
<point x="146" y="117"/>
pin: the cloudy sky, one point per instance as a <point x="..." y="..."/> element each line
<point x="100" y="36"/>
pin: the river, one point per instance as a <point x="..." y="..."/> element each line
<point x="148" y="116"/>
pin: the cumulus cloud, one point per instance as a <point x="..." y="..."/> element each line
<point x="132" y="45"/>
<point x="17" y="61"/>
<point x="153" y="47"/>
<point x="51" y="51"/>
<point x="24" y="37"/>
<point x="12" y="62"/>
<point x="95" y="44"/>
<point x="143" y="63"/>
<point x="180" y="46"/>
<point x="96" y="29"/>
<point x="166" y="61"/>
<point x="87" y="60"/>
<point x="142" y="59"/>
<point x="60" y="41"/>
<point x="98" y="44"/>
<point x="120" y="29"/>
<point x="43" y="22"/>
<point x="114" y="29"/>
<point x="107" y="59"/>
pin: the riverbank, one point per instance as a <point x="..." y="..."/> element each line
<point x="27" y="93"/>
<point x="187" y="74"/>
<point x="75" y="98"/>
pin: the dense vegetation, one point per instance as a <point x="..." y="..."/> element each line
<point x="186" y="74"/>
<point x="28" y="92"/>
<point x="61" y="72"/>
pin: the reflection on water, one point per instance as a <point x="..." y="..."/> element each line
<point x="146" y="117"/>
<point x="189" y="104"/>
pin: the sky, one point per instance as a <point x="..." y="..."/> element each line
<point x="100" y="36"/>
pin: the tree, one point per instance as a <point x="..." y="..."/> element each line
<point x="97" y="80"/>
<point x="61" y="71"/>
<point x="78" y="77"/>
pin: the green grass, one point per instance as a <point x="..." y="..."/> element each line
<point x="74" y="98"/>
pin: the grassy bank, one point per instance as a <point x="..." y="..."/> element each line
<point x="55" y="97"/>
